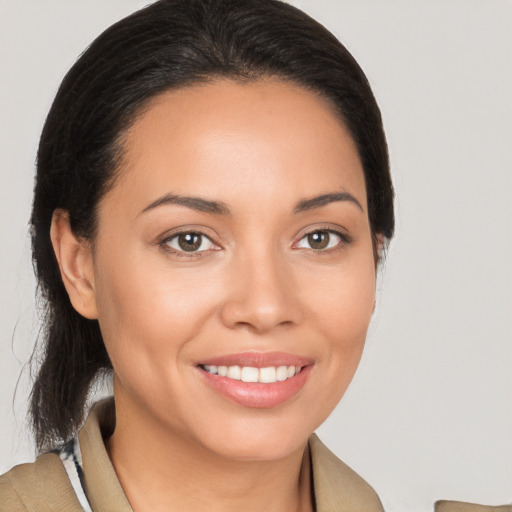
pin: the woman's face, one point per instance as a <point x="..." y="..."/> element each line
<point x="235" y="244"/>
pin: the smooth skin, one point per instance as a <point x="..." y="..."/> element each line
<point x="260" y="274"/>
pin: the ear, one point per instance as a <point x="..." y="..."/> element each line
<point x="381" y="242"/>
<point x="74" y="257"/>
<point x="380" y="245"/>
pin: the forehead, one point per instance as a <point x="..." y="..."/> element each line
<point x="223" y="139"/>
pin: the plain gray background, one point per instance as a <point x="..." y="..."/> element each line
<point x="429" y="414"/>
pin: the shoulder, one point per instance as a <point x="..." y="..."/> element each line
<point x="41" y="486"/>
<point x="336" y="486"/>
<point x="459" y="506"/>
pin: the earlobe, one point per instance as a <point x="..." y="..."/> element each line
<point x="75" y="261"/>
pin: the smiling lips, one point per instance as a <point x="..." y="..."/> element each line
<point x="266" y="375"/>
<point x="260" y="380"/>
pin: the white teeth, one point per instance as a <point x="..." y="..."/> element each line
<point x="282" y="373"/>
<point x="266" y="375"/>
<point x="234" y="372"/>
<point x="250" y="374"/>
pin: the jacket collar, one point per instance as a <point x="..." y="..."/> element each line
<point x="336" y="487"/>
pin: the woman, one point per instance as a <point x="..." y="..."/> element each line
<point x="213" y="183"/>
<point x="212" y="199"/>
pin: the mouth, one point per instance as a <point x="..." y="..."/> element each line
<point x="267" y="375"/>
<point x="259" y="380"/>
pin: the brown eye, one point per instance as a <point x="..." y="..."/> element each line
<point x="321" y="239"/>
<point x="318" y="239"/>
<point x="190" y="242"/>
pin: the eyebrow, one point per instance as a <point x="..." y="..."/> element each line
<point x="324" y="199"/>
<point x="220" y="208"/>
<point x="195" y="203"/>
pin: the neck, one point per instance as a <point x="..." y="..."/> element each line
<point x="160" y="470"/>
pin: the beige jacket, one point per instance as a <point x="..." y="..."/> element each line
<point x="43" y="486"/>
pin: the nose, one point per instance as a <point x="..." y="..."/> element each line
<point x="262" y="294"/>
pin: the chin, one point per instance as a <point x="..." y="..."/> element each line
<point x="258" y="439"/>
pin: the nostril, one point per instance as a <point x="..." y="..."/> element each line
<point x="260" y="299"/>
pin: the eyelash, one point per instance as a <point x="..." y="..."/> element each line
<point x="164" y="244"/>
<point x="344" y="240"/>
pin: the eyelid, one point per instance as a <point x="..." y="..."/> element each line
<point x="336" y="230"/>
<point x="163" y="241"/>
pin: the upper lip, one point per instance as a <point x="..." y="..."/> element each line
<point x="258" y="360"/>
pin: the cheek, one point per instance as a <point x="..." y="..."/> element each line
<point x="148" y="310"/>
<point x="342" y="308"/>
<point x="343" y="301"/>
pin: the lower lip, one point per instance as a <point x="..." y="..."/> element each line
<point x="256" y="394"/>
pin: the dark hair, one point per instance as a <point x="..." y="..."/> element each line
<point x="167" y="45"/>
